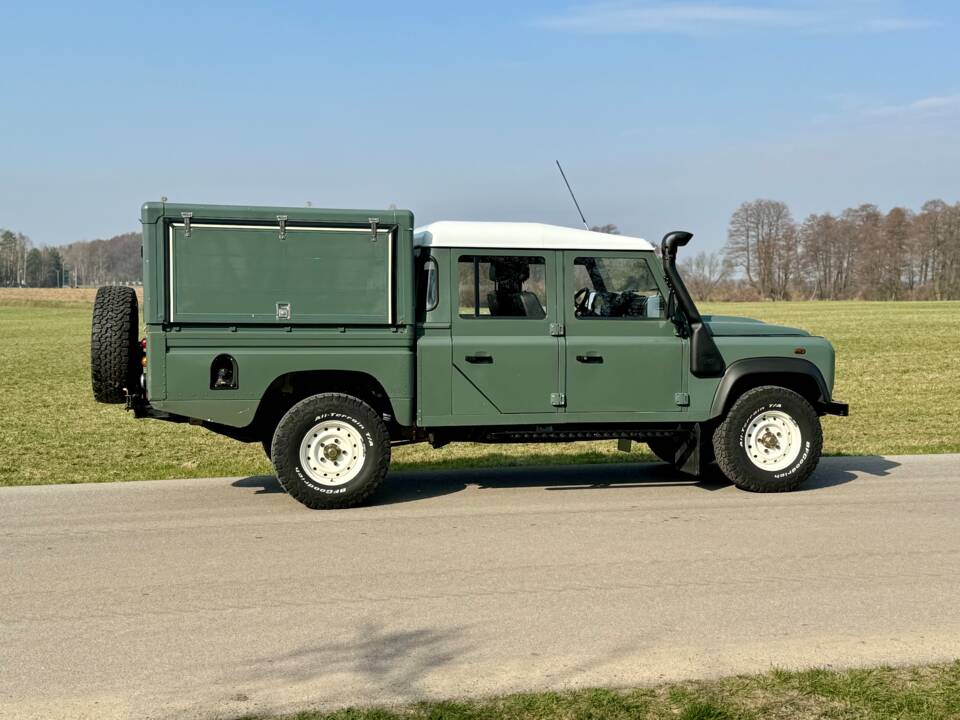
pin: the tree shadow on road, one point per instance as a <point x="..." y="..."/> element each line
<point x="366" y="659"/>
<point x="410" y="485"/>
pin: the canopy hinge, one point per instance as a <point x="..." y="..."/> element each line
<point x="373" y="228"/>
<point x="187" y="216"/>
<point x="282" y="221"/>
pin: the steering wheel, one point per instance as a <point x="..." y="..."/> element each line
<point x="580" y="302"/>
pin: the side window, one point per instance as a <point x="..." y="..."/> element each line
<point x="431" y="285"/>
<point x="502" y="286"/>
<point x="428" y="286"/>
<point x="622" y="287"/>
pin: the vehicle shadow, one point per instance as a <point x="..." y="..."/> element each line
<point x="843" y="469"/>
<point x="410" y="485"/>
<point x="407" y="485"/>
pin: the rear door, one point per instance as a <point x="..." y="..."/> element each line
<point x="621" y="354"/>
<point x="505" y="358"/>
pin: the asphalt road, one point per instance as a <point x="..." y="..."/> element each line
<point x="215" y="598"/>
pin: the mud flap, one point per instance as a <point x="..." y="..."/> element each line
<point x="688" y="453"/>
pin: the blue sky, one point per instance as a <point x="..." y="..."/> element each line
<point x="665" y="114"/>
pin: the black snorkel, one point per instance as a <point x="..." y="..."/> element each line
<point x="705" y="357"/>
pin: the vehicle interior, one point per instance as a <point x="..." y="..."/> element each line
<point x="509" y="298"/>
<point x="615" y="288"/>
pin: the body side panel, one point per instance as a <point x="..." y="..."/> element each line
<point x="818" y="352"/>
<point x="263" y="357"/>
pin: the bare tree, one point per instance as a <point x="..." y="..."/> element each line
<point x="704" y="272"/>
<point x="13" y="258"/>
<point x="762" y="241"/>
<point x="827" y="254"/>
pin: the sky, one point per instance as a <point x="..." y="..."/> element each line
<point x="665" y="115"/>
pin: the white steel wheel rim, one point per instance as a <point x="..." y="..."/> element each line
<point x="332" y="453"/>
<point x="772" y="440"/>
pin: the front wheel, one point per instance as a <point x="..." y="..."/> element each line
<point x="331" y="451"/>
<point x="770" y="440"/>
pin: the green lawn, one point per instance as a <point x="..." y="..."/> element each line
<point x="917" y="693"/>
<point x="898" y="367"/>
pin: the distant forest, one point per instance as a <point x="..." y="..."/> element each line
<point x="860" y="253"/>
<point x="83" y="263"/>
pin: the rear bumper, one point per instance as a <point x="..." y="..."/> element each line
<point x="835" y="408"/>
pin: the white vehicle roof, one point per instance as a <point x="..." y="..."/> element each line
<point x="520" y="236"/>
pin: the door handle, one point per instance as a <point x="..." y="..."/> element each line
<point x="480" y="358"/>
<point x="590" y="359"/>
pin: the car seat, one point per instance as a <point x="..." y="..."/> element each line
<point x="508" y="298"/>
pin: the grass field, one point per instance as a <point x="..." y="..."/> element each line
<point x="898" y="366"/>
<point x="918" y="693"/>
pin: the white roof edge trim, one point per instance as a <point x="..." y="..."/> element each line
<point x="520" y="235"/>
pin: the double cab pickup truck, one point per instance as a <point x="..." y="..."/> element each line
<point x="330" y="336"/>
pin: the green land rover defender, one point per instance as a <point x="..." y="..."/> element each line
<point x="331" y="335"/>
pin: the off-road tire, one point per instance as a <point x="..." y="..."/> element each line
<point x="729" y="440"/>
<point x="114" y="348"/>
<point x="298" y="422"/>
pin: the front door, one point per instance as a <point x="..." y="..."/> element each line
<point x="505" y="359"/>
<point x="621" y="354"/>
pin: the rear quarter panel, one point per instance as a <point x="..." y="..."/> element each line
<point x="182" y="370"/>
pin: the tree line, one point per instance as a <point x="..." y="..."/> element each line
<point x="86" y="262"/>
<point x="861" y="253"/>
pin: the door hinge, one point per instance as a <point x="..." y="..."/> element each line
<point x="558" y="399"/>
<point x="557" y="329"/>
<point x="682" y="399"/>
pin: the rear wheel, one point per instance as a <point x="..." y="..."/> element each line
<point x="331" y="451"/>
<point x="770" y="441"/>
<point x="115" y="366"/>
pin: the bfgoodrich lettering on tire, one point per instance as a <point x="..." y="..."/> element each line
<point x="331" y="451"/>
<point x="770" y="440"/>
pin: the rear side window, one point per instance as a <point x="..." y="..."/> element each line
<point x="429" y="285"/>
<point x="502" y="286"/>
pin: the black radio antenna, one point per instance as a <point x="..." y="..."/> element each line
<point x="574" y="197"/>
